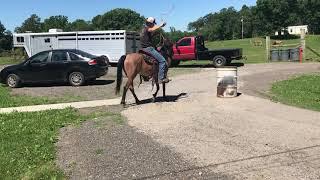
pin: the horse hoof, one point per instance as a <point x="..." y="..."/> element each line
<point x="153" y="99"/>
<point x="138" y="102"/>
<point x="123" y="103"/>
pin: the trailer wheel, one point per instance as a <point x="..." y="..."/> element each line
<point x="76" y="79"/>
<point x="219" y="61"/>
<point x="13" y="80"/>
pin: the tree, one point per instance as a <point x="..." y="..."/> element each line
<point x="2" y="28"/>
<point x="80" y="25"/>
<point x="175" y="35"/>
<point x="246" y="14"/>
<point x="97" y="22"/>
<point x="310" y="15"/>
<point x="276" y="15"/>
<point x="56" y="22"/>
<point x="119" y="18"/>
<point x="33" y="24"/>
<point x="222" y="25"/>
<point x="5" y="38"/>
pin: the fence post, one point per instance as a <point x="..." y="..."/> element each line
<point x="303" y="43"/>
<point x="268" y="48"/>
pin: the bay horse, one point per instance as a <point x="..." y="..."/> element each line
<point x="135" y="63"/>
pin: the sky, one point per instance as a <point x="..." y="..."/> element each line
<point x="177" y="13"/>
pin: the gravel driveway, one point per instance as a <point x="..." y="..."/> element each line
<point x="200" y="136"/>
<point x="246" y="137"/>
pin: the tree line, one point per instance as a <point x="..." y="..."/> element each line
<point x="263" y="19"/>
<point x="267" y="17"/>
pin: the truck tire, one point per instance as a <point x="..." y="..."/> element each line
<point x="219" y="61"/>
<point x="174" y="63"/>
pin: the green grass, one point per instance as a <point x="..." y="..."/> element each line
<point x="9" y="60"/>
<point x="257" y="54"/>
<point x="313" y="41"/>
<point x="27" y="142"/>
<point x="302" y="91"/>
<point x="8" y="100"/>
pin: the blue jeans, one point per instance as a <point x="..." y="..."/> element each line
<point x="162" y="62"/>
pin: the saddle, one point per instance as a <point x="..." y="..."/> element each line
<point x="149" y="59"/>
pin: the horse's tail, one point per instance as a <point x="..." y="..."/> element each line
<point x="120" y="66"/>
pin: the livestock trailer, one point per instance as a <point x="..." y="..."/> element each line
<point x="112" y="44"/>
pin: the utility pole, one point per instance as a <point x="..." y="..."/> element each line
<point x="242" y="26"/>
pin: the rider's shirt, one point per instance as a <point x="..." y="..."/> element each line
<point x="146" y="38"/>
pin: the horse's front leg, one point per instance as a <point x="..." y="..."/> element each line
<point x="155" y="94"/>
<point x="164" y="91"/>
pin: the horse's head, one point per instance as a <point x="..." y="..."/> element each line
<point x="166" y="49"/>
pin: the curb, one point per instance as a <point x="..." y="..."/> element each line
<point x="77" y="105"/>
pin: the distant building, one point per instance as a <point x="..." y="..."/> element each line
<point x="294" y="30"/>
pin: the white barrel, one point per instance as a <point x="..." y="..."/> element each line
<point x="227" y="82"/>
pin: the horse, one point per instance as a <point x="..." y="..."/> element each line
<point x="135" y="63"/>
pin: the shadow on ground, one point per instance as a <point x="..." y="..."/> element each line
<point x="160" y="99"/>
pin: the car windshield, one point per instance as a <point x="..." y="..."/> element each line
<point x="84" y="54"/>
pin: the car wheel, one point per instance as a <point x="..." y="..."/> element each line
<point x="13" y="80"/>
<point x="219" y="61"/>
<point x="76" y="79"/>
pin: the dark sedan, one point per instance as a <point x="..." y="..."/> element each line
<point x="65" y="65"/>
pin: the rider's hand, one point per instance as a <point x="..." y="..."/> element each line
<point x="163" y="24"/>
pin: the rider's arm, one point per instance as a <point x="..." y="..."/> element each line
<point x="156" y="27"/>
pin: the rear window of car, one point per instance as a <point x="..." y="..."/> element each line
<point x="84" y="54"/>
<point x="74" y="57"/>
<point x="59" y="56"/>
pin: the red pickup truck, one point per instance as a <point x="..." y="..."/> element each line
<point x="193" y="48"/>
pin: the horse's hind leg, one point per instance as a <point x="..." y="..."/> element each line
<point x="125" y="89"/>
<point x="134" y="95"/>
<point x="155" y="94"/>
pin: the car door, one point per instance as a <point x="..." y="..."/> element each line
<point x="184" y="49"/>
<point x="36" y="67"/>
<point x="58" y="65"/>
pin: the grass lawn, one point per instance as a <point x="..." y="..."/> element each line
<point x="257" y="54"/>
<point x="27" y="142"/>
<point x="9" y="60"/>
<point x="8" y="100"/>
<point x="302" y="91"/>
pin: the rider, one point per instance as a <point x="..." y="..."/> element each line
<point x="146" y="43"/>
